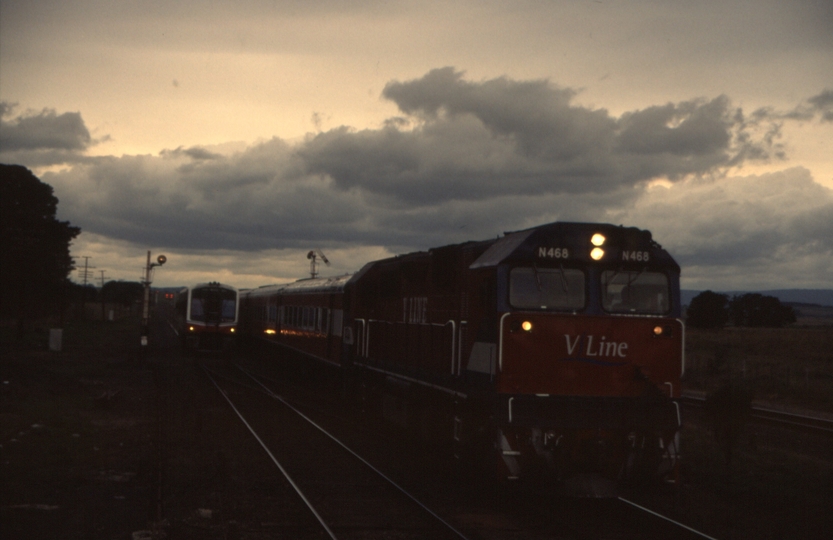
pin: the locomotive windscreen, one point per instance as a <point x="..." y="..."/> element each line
<point x="626" y="291"/>
<point x="546" y="288"/>
<point x="212" y="305"/>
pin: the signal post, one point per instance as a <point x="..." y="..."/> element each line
<point x="160" y="260"/>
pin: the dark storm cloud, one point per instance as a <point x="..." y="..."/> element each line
<point x="42" y="138"/>
<point x="781" y="223"/>
<point x="194" y="152"/>
<point x="469" y="160"/>
<point x="819" y="106"/>
<point x="823" y="105"/>
<point x="476" y="140"/>
<point x="252" y="200"/>
<point x="44" y="130"/>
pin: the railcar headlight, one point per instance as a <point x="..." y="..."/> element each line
<point x="190" y="328"/>
<point x="232" y="329"/>
<point x="597" y="253"/>
<point x="526" y="326"/>
<point x="269" y="331"/>
<point x="598" y="239"/>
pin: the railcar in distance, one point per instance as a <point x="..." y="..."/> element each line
<point x="207" y="317"/>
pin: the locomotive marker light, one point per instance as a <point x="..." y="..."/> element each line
<point x="597" y="252"/>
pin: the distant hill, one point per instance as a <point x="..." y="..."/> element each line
<point x="821" y="297"/>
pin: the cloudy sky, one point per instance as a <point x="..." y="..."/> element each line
<point x="235" y="138"/>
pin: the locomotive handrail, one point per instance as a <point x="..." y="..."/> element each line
<point x="363" y="347"/>
<point x="367" y="338"/>
<point x="500" y="344"/>
<point x="361" y="338"/>
<point x="453" y="338"/>
<point x="682" y="356"/>
<point x="460" y="349"/>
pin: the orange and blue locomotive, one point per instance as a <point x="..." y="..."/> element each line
<point x="555" y="350"/>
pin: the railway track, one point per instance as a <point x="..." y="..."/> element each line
<point x="773" y="417"/>
<point x="346" y="503"/>
<point x="344" y="494"/>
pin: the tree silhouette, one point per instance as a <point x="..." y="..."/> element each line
<point x="708" y="310"/>
<point x="123" y="292"/>
<point x="758" y="310"/>
<point x="34" y="246"/>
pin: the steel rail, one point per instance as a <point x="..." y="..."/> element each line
<point x="272" y="457"/>
<point x="794" y="419"/>
<point x="677" y="523"/>
<point x="273" y="395"/>
<point x="789" y="419"/>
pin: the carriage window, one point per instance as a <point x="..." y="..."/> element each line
<point x="546" y="288"/>
<point x="632" y="291"/>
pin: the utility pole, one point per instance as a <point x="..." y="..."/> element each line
<point x="160" y="260"/>
<point x="101" y="294"/>
<point x="85" y="274"/>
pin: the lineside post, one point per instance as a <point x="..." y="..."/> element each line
<point x="160" y="260"/>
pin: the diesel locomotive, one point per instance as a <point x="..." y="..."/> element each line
<point x="555" y="350"/>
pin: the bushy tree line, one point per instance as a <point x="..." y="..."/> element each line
<point x="122" y="292"/>
<point x="34" y="274"/>
<point x="714" y="310"/>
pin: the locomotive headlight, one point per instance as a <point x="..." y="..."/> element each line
<point x="598" y="239"/>
<point x="517" y="326"/>
<point x="597" y="253"/>
<point x="664" y="331"/>
<point x="190" y="328"/>
<point x="232" y="329"/>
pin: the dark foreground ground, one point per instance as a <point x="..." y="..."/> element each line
<point x="77" y="434"/>
<point x="79" y="456"/>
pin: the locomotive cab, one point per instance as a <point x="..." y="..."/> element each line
<point x="589" y="352"/>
